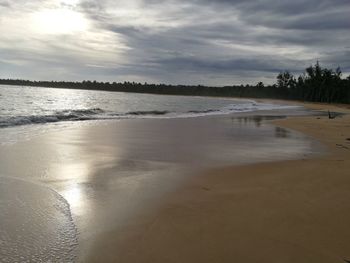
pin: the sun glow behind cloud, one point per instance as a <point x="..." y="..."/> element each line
<point x="59" y="21"/>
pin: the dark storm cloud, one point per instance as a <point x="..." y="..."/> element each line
<point x="337" y="20"/>
<point x="194" y="64"/>
<point x="217" y="42"/>
<point x="339" y="58"/>
<point x="285" y="7"/>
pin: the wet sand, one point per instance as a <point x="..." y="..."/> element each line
<point x="189" y="190"/>
<point x="287" y="211"/>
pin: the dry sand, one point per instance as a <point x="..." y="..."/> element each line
<point x="286" y="211"/>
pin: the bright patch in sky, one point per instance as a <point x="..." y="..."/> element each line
<point x="59" y="21"/>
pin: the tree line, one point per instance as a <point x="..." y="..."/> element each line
<point x="316" y="84"/>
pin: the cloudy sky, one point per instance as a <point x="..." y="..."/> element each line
<point x="172" y="41"/>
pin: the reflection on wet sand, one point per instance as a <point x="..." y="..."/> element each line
<point x="282" y="133"/>
<point x="111" y="174"/>
<point x="257" y="119"/>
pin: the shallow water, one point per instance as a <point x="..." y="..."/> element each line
<point x="26" y="111"/>
<point x="35" y="224"/>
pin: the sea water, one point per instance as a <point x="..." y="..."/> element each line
<point x="26" y="111"/>
<point x="35" y="224"/>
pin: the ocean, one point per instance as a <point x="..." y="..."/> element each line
<point x="26" y="111"/>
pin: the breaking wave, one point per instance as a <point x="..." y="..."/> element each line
<point x="64" y="115"/>
<point x="100" y="114"/>
<point x="140" y="113"/>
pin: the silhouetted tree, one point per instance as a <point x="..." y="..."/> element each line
<point x="286" y="80"/>
<point x="260" y="85"/>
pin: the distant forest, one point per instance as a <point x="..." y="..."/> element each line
<point x="316" y="84"/>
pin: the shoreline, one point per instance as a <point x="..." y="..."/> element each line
<point x="134" y="197"/>
<point x="282" y="211"/>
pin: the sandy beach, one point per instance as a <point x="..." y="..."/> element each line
<point x="148" y="131"/>
<point x="288" y="211"/>
<point x="242" y="188"/>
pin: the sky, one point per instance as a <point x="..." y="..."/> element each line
<point x="222" y="42"/>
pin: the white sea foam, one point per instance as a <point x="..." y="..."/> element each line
<point x="99" y="114"/>
<point x="23" y="109"/>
